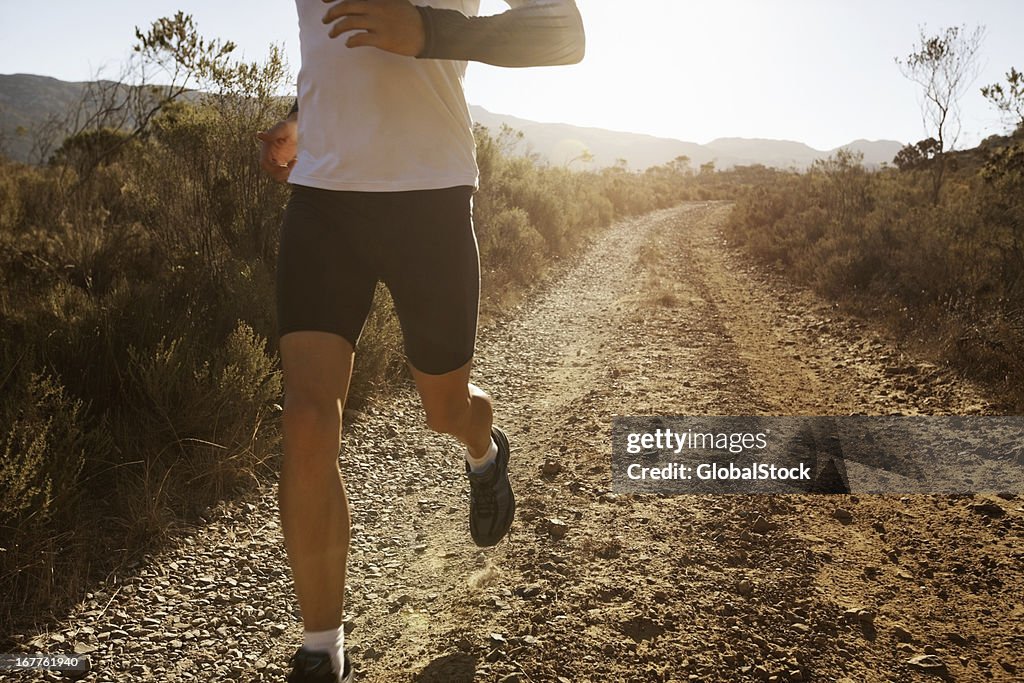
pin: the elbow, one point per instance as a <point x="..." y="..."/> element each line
<point x="579" y="39"/>
<point x="575" y="50"/>
<point x="576" y="43"/>
<point x="578" y="51"/>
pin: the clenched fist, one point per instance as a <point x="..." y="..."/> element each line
<point x="280" y="145"/>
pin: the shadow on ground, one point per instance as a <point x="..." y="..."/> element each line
<point x="453" y="668"/>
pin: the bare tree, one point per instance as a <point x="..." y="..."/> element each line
<point x="944" y="65"/>
<point x="1009" y="100"/>
<point x="171" y="52"/>
<point x="43" y="135"/>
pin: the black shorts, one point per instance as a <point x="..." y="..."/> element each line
<point x="336" y="246"/>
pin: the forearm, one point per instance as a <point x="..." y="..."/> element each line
<point x="535" y="34"/>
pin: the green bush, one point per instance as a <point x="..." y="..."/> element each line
<point x="43" y="451"/>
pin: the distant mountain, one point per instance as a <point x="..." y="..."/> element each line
<point x="560" y="143"/>
<point x="26" y="100"/>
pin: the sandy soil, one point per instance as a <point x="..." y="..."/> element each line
<point x="659" y="316"/>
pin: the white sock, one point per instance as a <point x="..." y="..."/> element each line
<point x="480" y="465"/>
<point x="332" y="642"/>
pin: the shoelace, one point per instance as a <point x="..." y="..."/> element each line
<point x="484" y="499"/>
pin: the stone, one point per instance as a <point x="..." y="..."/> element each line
<point x="902" y="634"/>
<point x="843" y="515"/>
<point x="927" y="664"/>
<point x="988" y="509"/>
<point x="556" y="528"/>
<point x="761" y="525"/>
<point x="551" y="468"/>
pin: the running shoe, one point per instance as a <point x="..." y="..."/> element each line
<point x="492" y="505"/>
<point x="315" y="667"/>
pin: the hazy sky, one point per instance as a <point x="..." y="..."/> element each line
<point x="819" y="71"/>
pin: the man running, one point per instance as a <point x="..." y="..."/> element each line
<point x="379" y="150"/>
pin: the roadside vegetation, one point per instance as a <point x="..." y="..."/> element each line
<point x="933" y="246"/>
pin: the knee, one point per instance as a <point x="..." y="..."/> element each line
<point x="307" y="418"/>
<point x="448" y="416"/>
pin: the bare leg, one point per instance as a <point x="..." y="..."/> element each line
<point x="313" y="505"/>
<point x="456" y="407"/>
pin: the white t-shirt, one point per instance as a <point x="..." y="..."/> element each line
<point x="374" y="121"/>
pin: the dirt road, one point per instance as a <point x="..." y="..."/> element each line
<point x="659" y="316"/>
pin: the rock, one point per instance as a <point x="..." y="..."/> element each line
<point x="556" y="528"/>
<point x="956" y="638"/>
<point x="550" y="468"/>
<point x="859" y="615"/>
<point x="761" y="525"/>
<point x="928" y="664"/>
<point x="988" y="509"/>
<point x="866" y="616"/>
<point x="531" y="590"/>
<point x="843" y="515"/>
<point x="745" y="587"/>
<point x="901" y="634"/>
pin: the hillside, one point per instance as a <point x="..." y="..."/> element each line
<point x="560" y="143"/>
<point x="26" y="100"/>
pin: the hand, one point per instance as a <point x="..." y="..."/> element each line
<point x="280" y="145"/>
<point x="390" y="25"/>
